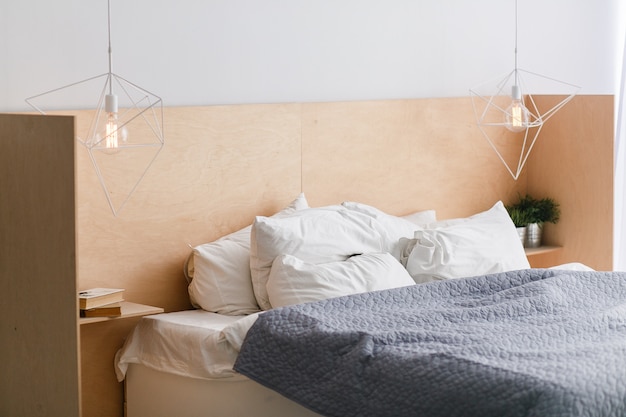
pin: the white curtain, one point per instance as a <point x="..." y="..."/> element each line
<point x="619" y="253"/>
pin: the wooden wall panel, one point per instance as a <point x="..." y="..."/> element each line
<point x="402" y="156"/>
<point x="39" y="368"/>
<point x="573" y="163"/>
<point x="222" y="165"/>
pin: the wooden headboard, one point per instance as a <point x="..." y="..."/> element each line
<point x="222" y="165"/>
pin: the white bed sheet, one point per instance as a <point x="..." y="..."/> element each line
<point x="192" y="343"/>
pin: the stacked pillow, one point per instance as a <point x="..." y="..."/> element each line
<point x="316" y="235"/>
<point x="392" y="228"/>
<point x="221" y="281"/>
<point x="325" y="235"/>
<point x="293" y="281"/>
<point x="481" y="244"/>
<point x="305" y="254"/>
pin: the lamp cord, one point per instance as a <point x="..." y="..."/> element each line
<point x="110" y="49"/>
<point x="516" y="19"/>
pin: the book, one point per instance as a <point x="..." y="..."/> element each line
<point x="96" y="297"/>
<point x="108" y="310"/>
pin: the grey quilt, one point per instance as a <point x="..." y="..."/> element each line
<point x="526" y="343"/>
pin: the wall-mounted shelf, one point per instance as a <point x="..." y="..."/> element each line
<point x="541" y="250"/>
<point x="128" y="310"/>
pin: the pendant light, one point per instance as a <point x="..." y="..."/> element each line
<point x="126" y="133"/>
<point x="508" y="103"/>
<point x="516" y="114"/>
<point x="114" y="135"/>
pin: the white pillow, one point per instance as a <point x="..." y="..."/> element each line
<point x="315" y="235"/>
<point x="292" y="281"/>
<point x="221" y="280"/>
<point x="422" y="218"/>
<point x="393" y="228"/>
<point x="481" y="244"/>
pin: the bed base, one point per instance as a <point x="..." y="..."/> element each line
<point x="159" y="394"/>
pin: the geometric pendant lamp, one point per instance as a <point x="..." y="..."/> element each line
<point x="508" y="115"/>
<point x="125" y="134"/>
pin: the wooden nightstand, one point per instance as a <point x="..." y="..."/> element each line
<point x="128" y="310"/>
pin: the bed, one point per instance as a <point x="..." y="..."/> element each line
<point x="345" y="310"/>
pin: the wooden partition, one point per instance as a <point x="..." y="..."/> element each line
<point x="39" y="308"/>
<point x="222" y="165"/>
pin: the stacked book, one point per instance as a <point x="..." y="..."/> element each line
<point x="101" y="302"/>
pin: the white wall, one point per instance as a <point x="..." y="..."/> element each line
<point x="195" y="52"/>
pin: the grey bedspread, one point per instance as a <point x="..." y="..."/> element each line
<point x="526" y="343"/>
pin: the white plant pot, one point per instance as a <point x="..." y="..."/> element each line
<point x="521" y="231"/>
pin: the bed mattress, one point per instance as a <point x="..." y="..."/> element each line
<point x="193" y="343"/>
<point x="180" y="364"/>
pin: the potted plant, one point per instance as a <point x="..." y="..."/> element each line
<point x="520" y="220"/>
<point x="535" y="212"/>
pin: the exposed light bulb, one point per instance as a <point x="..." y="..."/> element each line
<point x="114" y="136"/>
<point x="110" y="138"/>
<point x="516" y="115"/>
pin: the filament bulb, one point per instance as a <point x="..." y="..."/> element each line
<point x="111" y="133"/>
<point x="114" y="135"/>
<point x="516" y="114"/>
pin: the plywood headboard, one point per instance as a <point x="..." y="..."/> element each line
<point x="222" y="165"/>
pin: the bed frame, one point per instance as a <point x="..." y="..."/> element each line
<point x="158" y="394"/>
<point x="222" y="165"/>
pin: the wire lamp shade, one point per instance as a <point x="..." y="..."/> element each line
<point x="506" y="111"/>
<point x="125" y="134"/>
